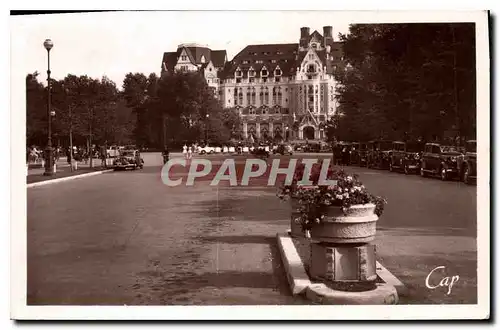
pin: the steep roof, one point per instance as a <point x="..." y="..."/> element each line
<point x="198" y="52"/>
<point x="170" y="60"/>
<point x="218" y="58"/>
<point x="258" y="56"/>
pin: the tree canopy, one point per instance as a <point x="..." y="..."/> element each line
<point x="407" y="81"/>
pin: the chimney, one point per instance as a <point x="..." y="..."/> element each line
<point x="327" y="35"/>
<point x="304" y="36"/>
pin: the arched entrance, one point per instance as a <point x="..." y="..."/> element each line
<point x="308" y="132"/>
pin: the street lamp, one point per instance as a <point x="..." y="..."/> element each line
<point x="49" y="161"/>
<point x="206" y="129"/>
<point x="286" y="133"/>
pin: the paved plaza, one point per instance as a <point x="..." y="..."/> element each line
<point x="126" y="238"/>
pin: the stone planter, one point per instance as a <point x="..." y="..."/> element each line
<point x="356" y="225"/>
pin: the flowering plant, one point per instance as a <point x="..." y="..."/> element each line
<point x="315" y="198"/>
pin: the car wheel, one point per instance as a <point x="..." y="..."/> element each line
<point x="443" y="174"/>
<point x="466" y="175"/>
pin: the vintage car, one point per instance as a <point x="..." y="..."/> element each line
<point x="379" y="153"/>
<point x="206" y="150"/>
<point x="406" y="156"/>
<point x="283" y="149"/>
<point x="128" y="159"/>
<point x="468" y="163"/>
<point x="440" y="160"/>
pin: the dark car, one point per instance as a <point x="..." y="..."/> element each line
<point x="379" y="154"/>
<point x="440" y="160"/>
<point x="359" y="152"/>
<point x="128" y="159"/>
<point x="283" y="150"/>
<point x="406" y="156"/>
<point x="468" y="163"/>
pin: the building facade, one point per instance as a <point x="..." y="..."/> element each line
<point x="282" y="91"/>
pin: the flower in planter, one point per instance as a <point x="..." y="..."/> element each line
<point x="315" y="200"/>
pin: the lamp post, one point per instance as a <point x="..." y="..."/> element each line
<point x="49" y="161"/>
<point x="206" y="129"/>
<point x="286" y="134"/>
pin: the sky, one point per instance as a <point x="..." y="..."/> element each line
<point x="114" y="44"/>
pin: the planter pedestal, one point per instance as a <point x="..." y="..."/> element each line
<point x="343" y="263"/>
<point x="341" y="253"/>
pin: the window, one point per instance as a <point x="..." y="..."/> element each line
<point x="275" y="95"/>
<point x="311" y="56"/>
<point x="259" y="61"/>
<point x="210" y="69"/>
<point x="246" y="62"/>
<point x="237" y="73"/>
<point x="277" y="79"/>
<point x="264" y="79"/>
<point x="184" y="58"/>
<point x="264" y="73"/>
<point x="266" y="96"/>
<point x="261" y="95"/>
<point x="265" y="111"/>
<point x="277" y="72"/>
<point x="236" y="96"/>
<point x="273" y="61"/>
<point x="311" y="68"/>
<point x="241" y="97"/>
<point x="251" y="72"/>
<point x="253" y="95"/>
<point x="248" y="96"/>
<point x="314" y="46"/>
<point x="436" y="150"/>
<point x="251" y="111"/>
<point x="251" y="80"/>
<point x="280" y="96"/>
<point x="279" y="52"/>
<point x="277" y="111"/>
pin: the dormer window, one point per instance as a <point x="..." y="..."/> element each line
<point x="251" y="72"/>
<point x="237" y="73"/>
<point x="273" y="61"/>
<point x="279" y="52"/>
<point x="277" y="72"/>
<point x="263" y="72"/>
<point x="246" y="62"/>
<point x="311" y="68"/>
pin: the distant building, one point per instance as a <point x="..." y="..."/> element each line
<point x="282" y="91"/>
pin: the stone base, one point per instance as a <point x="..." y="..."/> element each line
<point x="382" y="294"/>
<point x="343" y="263"/>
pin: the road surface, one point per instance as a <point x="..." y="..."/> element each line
<point x="126" y="238"/>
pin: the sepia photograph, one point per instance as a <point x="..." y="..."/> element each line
<point x="250" y="165"/>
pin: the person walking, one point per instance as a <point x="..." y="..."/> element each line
<point x="165" y="154"/>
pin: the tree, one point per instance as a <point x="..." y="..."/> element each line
<point x="36" y="111"/>
<point x="407" y="80"/>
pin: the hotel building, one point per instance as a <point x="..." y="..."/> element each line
<point x="282" y="91"/>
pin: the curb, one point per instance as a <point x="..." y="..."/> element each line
<point x="385" y="293"/>
<point x="294" y="269"/>
<point x="46" y="182"/>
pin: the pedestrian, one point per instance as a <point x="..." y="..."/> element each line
<point x="165" y="154"/>
<point x="190" y="152"/>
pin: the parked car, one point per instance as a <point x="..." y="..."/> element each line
<point x="359" y="152"/>
<point x="406" y="156"/>
<point x="440" y="160"/>
<point x="468" y="163"/>
<point x="206" y="150"/>
<point x="128" y="159"/>
<point x="379" y="153"/>
<point x="260" y="152"/>
<point x="283" y="150"/>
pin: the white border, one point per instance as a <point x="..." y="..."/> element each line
<point x="18" y="215"/>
